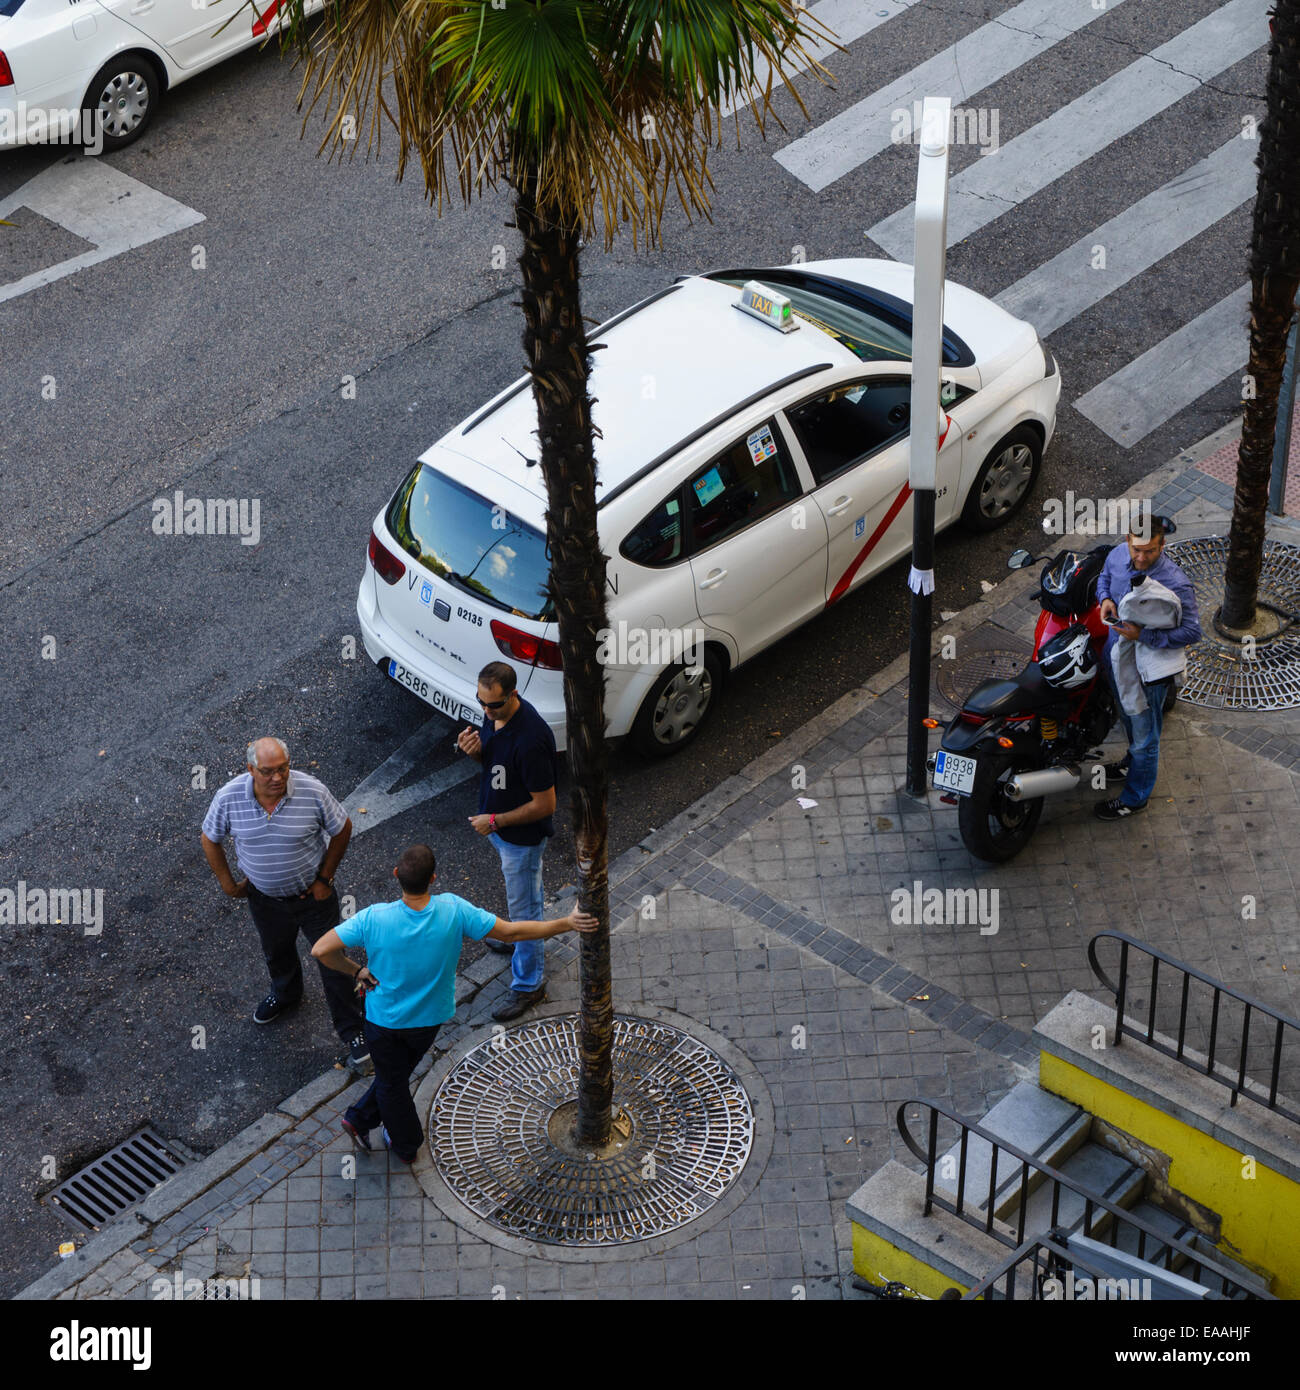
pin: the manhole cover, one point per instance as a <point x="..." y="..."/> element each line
<point x="686" y="1132"/>
<point x="118" y="1181"/>
<point x="956" y="679"/>
<point x="1217" y="676"/>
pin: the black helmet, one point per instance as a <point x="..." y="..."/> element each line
<point x="1068" y="582"/>
<point x="1068" y="659"/>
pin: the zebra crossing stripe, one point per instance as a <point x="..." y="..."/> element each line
<point x="974" y="62"/>
<point x="850" y="19"/>
<point x="1062" y="288"/>
<point x="996" y="183"/>
<point x="1170" y="376"/>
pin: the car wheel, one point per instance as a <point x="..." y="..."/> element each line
<point x="679" y="702"/>
<point x="1004" y="482"/>
<point x="121" y="100"/>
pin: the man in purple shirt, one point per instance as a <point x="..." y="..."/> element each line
<point x="1139" y="558"/>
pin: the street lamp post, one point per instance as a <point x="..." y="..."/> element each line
<point x="929" y="262"/>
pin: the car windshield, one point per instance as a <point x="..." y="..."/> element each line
<point x="475" y="546"/>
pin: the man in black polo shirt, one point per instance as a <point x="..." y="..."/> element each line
<point x="516" y="803"/>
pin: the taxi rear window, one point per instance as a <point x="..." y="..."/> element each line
<point x="9" y="7"/>
<point x="475" y="546"/>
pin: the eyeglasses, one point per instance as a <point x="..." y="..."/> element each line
<point x="282" y="771"/>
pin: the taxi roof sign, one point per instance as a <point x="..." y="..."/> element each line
<point x="766" y="304"/>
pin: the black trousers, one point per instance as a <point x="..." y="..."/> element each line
<point x="395" y="1052"/>
<point x="278" y="922"/>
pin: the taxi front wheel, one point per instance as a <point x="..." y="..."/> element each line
<point x="678" y="703"/>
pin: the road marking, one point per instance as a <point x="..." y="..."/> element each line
<point x="380" y="803"/>
<point x="1182" y="367"/>
<point x="850" y="19"/>
<point x="996" y="183"/>
<point x="99" y="204"/>
<point x="1062" y="288"/>
<point x="1024" y="32"/>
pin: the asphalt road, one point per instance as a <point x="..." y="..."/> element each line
<point x="169" y="652"/>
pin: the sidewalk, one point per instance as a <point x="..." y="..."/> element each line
<point x="769" y="918"/>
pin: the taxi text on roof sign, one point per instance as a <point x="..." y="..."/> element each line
<point x="766" y="304"/>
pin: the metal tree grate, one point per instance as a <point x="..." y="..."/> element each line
<point x="689" y="1130"/>
<point x="118" y="1181"/>
<point x="1217" y="676"/>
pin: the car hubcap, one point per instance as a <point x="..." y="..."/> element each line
<point x="682" y="705"/>
<point x="1007" y="480"/>
<point x="123" y="103"/>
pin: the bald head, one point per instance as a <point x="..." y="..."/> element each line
<point x="266" y="752"/>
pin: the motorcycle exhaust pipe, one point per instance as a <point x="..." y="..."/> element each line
<point x="1025" y="786"/>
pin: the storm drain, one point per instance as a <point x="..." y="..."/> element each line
<point x="118" y="1181"/>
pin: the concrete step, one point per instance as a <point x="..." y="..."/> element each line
<point x="1040" y="1124"/>
<point x="1165" y="1222"/>
<point x="1243" y="1274"/>
<point x="1102" y="1173"/>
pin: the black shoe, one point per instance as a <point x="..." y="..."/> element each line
<point x="358" y="1051"/>
<point x="1117" y="772"/>
<point x="500" y="948"/>
<point x="388" y="1144"/>
<point x="1115" y="809"/>
<point x="518" y="1002"/>
<point x="271" y="1008"/>
<point x="359" y="1139"/>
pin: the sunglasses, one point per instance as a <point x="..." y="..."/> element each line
<point x="492" y="704"/>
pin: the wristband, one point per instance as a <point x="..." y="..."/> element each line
<point x="492" y="822"/>
<point x="320" y="878"/>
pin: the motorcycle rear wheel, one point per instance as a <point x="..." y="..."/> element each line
<point x="992" y="826"/>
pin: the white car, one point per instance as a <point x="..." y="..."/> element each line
<point x="749" y="478"/>
<point x="116" y="58"/>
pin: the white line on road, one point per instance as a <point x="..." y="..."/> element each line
<point x="1156" y="386"/>
<point x="380" y="803"/>
<point x="1062" y="288"/>
<point x="99" y="204"/>
<point x="974" y="62"/>
<point x="998" y="182"/>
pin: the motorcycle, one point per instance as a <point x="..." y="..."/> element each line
<point x="1016" y="741"/>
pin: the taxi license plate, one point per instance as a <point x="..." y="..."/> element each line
<point x="954" y="773"/>
<point x="439" y="699"/>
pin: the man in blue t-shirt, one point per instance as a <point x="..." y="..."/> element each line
<point x="409" y="984"/>
<point x="516" y="807"/>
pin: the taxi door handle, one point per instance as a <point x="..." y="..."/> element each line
<point x="841" y="504"/>
<point x="713" y="577"/>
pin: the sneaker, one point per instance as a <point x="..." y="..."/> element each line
<point x="1117" y="772"/>
<point x="388" y="1144"/>
<point x="359" y="1139"/>
<point x="358" y="1051"/>
<point x="1115" y="809"/>
<point x="500" y="948"/>
<point x="518" y="1002"/>
<point x="271" y="1008"/>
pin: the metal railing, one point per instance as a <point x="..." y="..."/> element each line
<point x="1097" y="1211"/>
<point x="1236" y="1078"/>
<point x="1049" y="1258"/>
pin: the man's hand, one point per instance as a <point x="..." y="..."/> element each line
<point x="582" y="921"/>
<point x="482" y="824"/>
<point x="1129" y="631"/>
<point x="237" y="890"/>
<point x="319" y="890"/>
<point x="1108" y="610"/>
<point x="468" y="742"/>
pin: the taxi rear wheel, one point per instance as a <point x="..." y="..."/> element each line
<point x="674" y="711"/>
<point x="121" y="100"/>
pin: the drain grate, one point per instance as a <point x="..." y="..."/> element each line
<point x="118" y="1181"/>
<point x="1217" y="677"/>
<point x="688" y="1127"/>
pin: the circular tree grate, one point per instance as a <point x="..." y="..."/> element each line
<point x="498" y="1132"/>
<point x="1218" y="676"/>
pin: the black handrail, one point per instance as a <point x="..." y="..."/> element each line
<point x="1094" y="1205"/>
<point x="1236" y="1080"/>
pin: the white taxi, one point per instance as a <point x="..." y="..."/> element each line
<point x="113" y="60"/>
<point x="748" y="478"/>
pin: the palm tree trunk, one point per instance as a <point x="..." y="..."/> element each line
<point x="1275" y="277"/>
<point x="555" y="344"/>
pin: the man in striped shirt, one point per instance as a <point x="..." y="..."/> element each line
<point x="290" y="835"/>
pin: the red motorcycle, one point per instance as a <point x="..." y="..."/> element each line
<point x="1015" y="741"/>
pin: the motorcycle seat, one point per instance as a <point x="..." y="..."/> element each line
<point x="1022" y="693"/>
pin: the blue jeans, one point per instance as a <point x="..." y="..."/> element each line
<point x="522" y="867"/>
<point x="1143" y="732"/>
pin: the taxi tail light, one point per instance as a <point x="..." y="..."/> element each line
<point x="523" y="646"/>
<point x="6" y="72"/>
<point x="387" y="566"/>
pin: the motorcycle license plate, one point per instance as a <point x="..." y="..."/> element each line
<point x="954" y="773"/>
